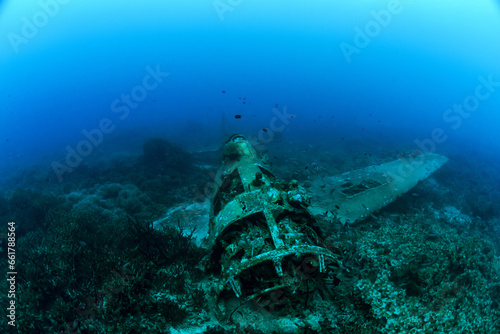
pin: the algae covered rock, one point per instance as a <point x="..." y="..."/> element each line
<point x="159" y="153"/>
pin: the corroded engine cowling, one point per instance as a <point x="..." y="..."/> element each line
<point x="265" y="243"/>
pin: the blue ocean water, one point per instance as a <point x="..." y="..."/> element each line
<point x="83" y="81"/>
<point x="65" y="63"/>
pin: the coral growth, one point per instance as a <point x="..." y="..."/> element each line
<point x="89" y="260"/>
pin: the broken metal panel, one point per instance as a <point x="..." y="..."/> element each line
<point x="262" y="235"/>
<point x="355" y="195"/>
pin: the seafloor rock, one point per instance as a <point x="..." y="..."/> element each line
<point x="159" y="153"/>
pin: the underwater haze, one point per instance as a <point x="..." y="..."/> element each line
<point x="62" y="71"/>
<point x="114" y="113"/>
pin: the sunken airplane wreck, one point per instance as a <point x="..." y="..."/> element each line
<point x="263" y="235"/>
<point x="265" y="245"/>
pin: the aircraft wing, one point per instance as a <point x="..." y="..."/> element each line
<point x="354" y="195"/>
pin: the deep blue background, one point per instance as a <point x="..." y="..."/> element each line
<point x="64" y="79"/>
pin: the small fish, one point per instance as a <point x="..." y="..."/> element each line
<point x="237" y="116"/>
<point x="342" y="138"/>
<point x="264" y="129"/>
<point x="276" y="105"/>
<point x="223" y="91"/>
<point x="244" y="102"/>
<point x="337" y="207"/>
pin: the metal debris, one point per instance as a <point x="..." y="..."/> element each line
<point x="263" y="239"/>
<point x="355" y="195"/>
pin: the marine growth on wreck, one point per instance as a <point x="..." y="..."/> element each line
<point x="265" y="244"/>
